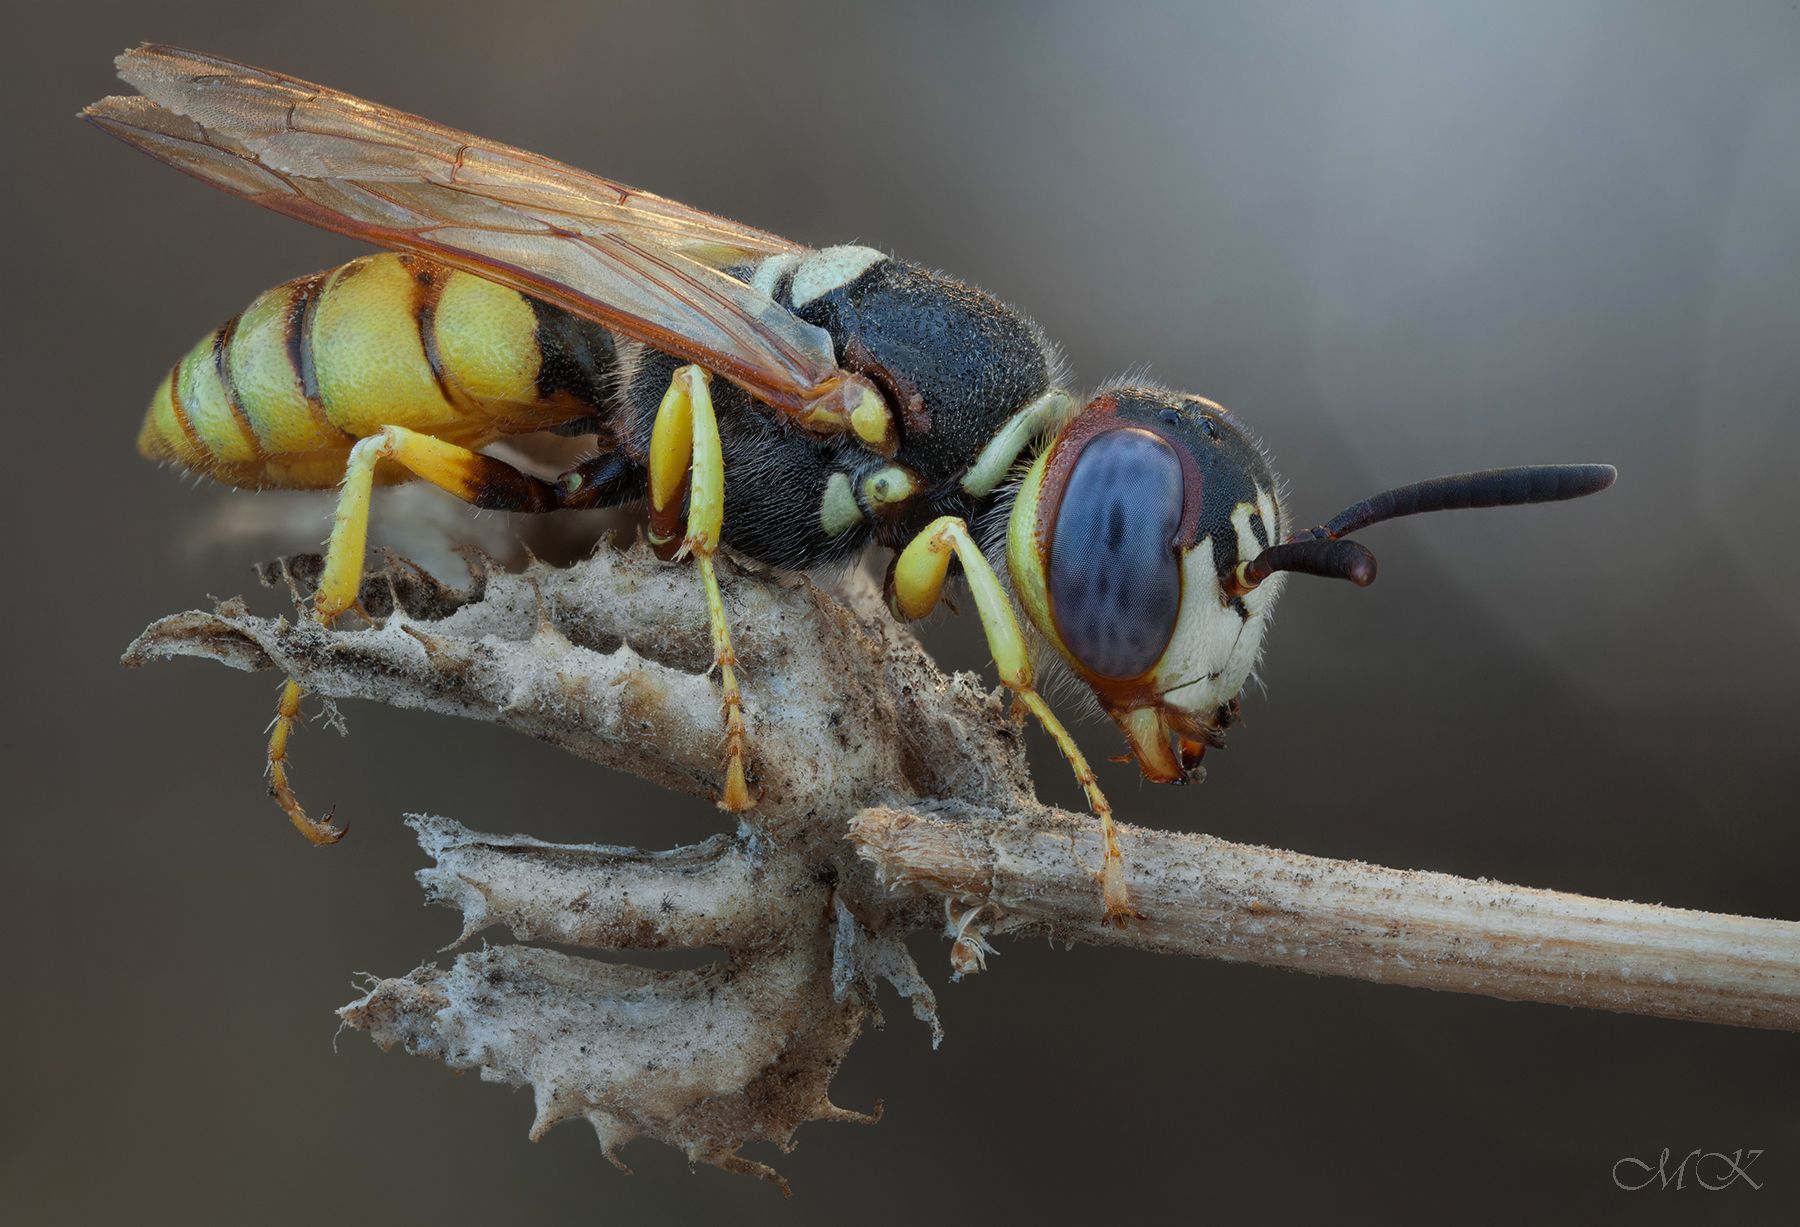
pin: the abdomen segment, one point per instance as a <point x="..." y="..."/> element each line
<point x="278" y="396"/>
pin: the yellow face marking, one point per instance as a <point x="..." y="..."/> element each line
<point x="1023" y="563"/>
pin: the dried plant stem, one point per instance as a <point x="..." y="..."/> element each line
<point x="1208" y="897"/>
<point x="856" y="734"/>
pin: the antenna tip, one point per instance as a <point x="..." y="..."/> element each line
<point x="1604" y="476"/>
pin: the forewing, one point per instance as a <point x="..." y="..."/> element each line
<point x="636" y="262"/>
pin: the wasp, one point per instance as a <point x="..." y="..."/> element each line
<point x="795" y="406"/>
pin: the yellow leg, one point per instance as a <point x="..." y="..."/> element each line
<point x="469" y="475"/>
<point x="287" y="714"/>
<point x="685" y="456"/>
<point x="915" y="586"/>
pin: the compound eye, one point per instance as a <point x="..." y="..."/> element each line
<point x="1115" y="576"/>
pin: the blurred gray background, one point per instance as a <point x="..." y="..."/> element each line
<point x="1398" y="239"/>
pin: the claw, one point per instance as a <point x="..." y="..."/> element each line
<point x="315" y="831"/>
<point x="736" y="796"/>
<point x="1111" y="877"/>
<point x="968" y="951"/>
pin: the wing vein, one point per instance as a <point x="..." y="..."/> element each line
<point x="640" y="264"/>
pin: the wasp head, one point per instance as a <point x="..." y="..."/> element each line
<point x="1124" y="546"/>
<point x="1148" y="542"/>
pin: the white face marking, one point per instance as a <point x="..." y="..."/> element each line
<point x="1248" y="543"/>
<point x="1213" y="649"/>
<point x="1248" y="546"/>
<point x="771" y="271"/>
<point x="821" y="272"/>
<point x="1265" y="503"/>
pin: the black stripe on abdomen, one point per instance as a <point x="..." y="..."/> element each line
<point x="302" y="307"/>
<point x="579" y="358"/>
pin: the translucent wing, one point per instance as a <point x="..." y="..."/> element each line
<point x="635" y="262"/>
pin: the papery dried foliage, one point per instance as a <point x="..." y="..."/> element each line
<point x="893" y="799"/>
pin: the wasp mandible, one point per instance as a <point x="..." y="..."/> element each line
<point x="794" y="405"/>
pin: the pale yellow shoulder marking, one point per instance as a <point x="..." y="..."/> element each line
<point x="821" y="272"/>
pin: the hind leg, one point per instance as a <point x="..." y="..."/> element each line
<point x="470" y="476"/>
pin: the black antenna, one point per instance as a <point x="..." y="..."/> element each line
<point x="1318" y="551"/>
<point x="1536" y="483"/>
<point x="1349" y="560"/>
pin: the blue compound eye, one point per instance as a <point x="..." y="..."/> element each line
<point x="1115" y="576"/>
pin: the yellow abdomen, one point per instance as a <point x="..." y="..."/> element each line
<point x="278" y="395"/>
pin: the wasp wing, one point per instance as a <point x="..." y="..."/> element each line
<point x="644" y="265"/>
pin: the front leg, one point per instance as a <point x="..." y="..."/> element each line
<point x="914" y="585"/>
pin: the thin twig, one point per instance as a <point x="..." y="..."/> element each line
<point x="1208" y="897"/>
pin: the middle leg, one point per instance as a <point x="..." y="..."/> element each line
<point x="686" y="458"/>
